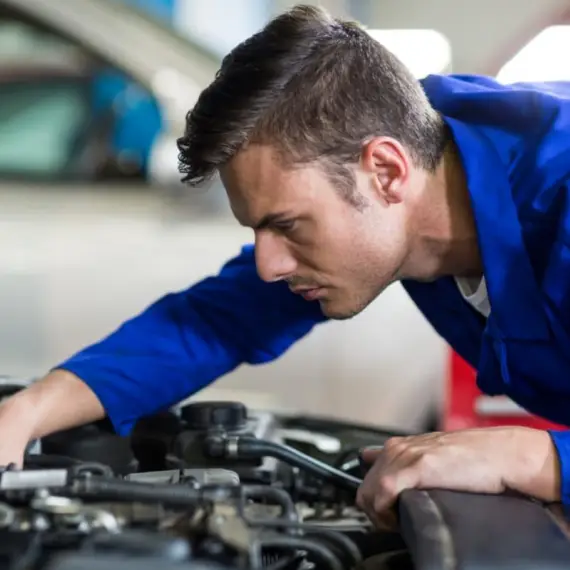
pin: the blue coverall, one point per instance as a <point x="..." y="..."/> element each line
<point x="514" y="142"/>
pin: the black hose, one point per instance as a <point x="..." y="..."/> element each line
<point x="253" y="448"/>
<point x="102" y="488"/>
<point x="342" y="541"/>
<point x="275" y="496"/>
<point x="51" y="461"/>
<point x="317" y="550"/>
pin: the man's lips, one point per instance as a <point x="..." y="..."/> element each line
<point x="308" y="293"/>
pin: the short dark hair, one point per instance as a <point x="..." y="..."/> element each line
<point x="315" y="88"/>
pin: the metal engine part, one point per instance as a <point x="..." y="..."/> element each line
<point x="198" y="477"/>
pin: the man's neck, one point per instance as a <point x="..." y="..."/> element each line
<point x="446" y="237"/>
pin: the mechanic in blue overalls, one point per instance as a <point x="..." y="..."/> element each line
<point x="352" y="179"/>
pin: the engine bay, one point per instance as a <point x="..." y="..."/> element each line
<point x="210" y="483"/>
<point x="215" y="486"/>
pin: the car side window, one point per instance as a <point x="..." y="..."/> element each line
<point x="66" y="115"/>
<point x="41" y="120"/>
<point x="43" y="102"/>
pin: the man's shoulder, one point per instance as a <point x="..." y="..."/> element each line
<point x="444" y="88"/>
<point x="526" y="124"/>
<point x="484" y="101"/>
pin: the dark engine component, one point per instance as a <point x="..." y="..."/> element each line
<point x="94" y="442"/>
<point x="199" y="420"/>
<point x="205" y="416"/>
<point x="211" y="484"/>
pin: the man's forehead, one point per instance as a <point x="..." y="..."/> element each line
<point x="258" y="185"/>
<point x="253" y="166"/>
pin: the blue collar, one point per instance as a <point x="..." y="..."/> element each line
<point x="516" y="306"/>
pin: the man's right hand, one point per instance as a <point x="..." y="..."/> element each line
<point x="58" y="401"/>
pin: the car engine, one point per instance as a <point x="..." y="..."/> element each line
<point x="210" y="485"/>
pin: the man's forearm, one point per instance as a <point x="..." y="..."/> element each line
<point x="58" y="401"/>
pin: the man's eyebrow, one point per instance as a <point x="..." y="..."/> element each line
<point x="269" y="219"/>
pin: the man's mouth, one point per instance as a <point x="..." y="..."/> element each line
<point x="308" y="293"/>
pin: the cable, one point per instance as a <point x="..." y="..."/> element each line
<point x="246" y="447"/>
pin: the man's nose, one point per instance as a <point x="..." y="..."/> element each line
<point x="272" y="257"/>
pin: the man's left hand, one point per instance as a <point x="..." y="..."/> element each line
<point x="490" y="460"/>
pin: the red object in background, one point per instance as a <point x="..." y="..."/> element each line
<point x="467" y="407"/>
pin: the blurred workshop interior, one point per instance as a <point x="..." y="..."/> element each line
<point x="95" y="224"/>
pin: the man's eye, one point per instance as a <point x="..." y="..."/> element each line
<point x="285" y="226"/>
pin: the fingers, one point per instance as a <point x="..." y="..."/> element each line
<point x="379" y="491"/>
<point x="370" y="453"/>
<point x="389" y="487"/>
<point x="377" y="499"/>
<point x="386" y="521"/>
<point x="395" y="469"/>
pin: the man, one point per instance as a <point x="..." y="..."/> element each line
<point x="353" y="175"/>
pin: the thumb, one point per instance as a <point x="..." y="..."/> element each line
<point x="370" y="453"/>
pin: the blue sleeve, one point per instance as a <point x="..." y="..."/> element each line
<point x="561" y="441"/>
<point x="186" y="340"/>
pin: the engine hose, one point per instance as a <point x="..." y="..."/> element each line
<point x="319" y="551"/>
<point x="117" y="490"/>
<point x="342" y="541"/>
<point x="276" y="496"/>
<point x="246" y="447"/>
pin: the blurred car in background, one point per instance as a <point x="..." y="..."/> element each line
<point x="95" y="224"/>
<point x="128" y="61"/>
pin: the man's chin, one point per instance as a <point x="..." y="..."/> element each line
<point x="337" y="312"/>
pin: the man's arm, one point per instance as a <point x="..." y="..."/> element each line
<point x="58" y="401"/>
<point x="171" y="350"/>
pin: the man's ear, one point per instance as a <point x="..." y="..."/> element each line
<point x="388" y="164"/>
